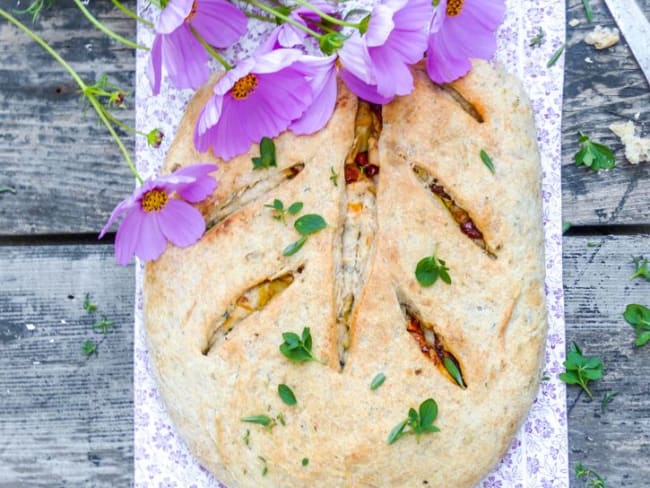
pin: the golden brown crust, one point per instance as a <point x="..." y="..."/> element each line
<point x="491" y="318"/>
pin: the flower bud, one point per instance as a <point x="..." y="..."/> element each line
<point x="155" y="138"/>
<point x="331" y="42"/>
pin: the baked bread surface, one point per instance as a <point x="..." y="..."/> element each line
<point x="212" y="372"/>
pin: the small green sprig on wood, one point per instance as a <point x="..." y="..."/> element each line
<point x="589" y="477"/>
<point x="430" y="268"/>
<point x="418" y="422"/>
<point x="589" y="14"/>
<point x="638" y="316"/>
<point x="580" y="370"/>
<point x="280" y="212"/>
<point x="305" y="225"/>
<point x="88" y="305"/>
<point x="103" y="325"/>
<point x="298" y="348"/>
<point x="594" y="155"/>
<point x="89" y="348"/>
<point x="608" y="397"/>
<point x="266" y="158"/>
<point x="556" y="56"/>
<point x="641" y="268"/>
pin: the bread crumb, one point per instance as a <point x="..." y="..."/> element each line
<point x="574" y="22"/>
<point x="637" y="149"/>
<point x="589" y="60"/>
<point x="30" y="326"/>
<point x="602" y="37"/>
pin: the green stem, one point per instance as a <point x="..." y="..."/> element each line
<point x="324" y="16"/>
<point x="211" y="50"/>
<point x="130" y="13"/>
<point x="106" y="30"/>
<point x="122" y="125"/>
<point x="287" y="19"/>
<point x="99" y="108"/>
<point x="84" y="88"/>
<point x="263" y="18"/>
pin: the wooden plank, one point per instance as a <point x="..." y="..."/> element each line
<point x="597" y="288"/>
<point x="609" y="89"/>
<point x="65" y="420"/>
<point x="66" y="170"/>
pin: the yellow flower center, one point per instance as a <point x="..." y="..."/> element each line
<point x="190" y="16"/>
<point x="244" y="87"/>
<point x="454" y="7"/>
<point x="154" y="200"/>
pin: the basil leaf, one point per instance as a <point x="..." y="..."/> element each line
<point x="377" y="381"/>
<point x="487" y="161"/>
<point x="294" y="247"/>
<point x="286" y="395"/>
<point x="310" y="223"/>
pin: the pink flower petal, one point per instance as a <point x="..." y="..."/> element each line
<point x="363" y="90"/>
<point x="154" y="67"/>
<point x="127" y="236"/>
<point x="180" y="223"/>
<point x="203" y="185"/>
<point x="219" y="23"/>
<point x="150" y="242"/>
<point x="124" y="206"/>
<point x="173" y="15"/>
<point x="323" y="83"/>
<point x="356" y="60"/>
<point x="185" y="59"/>
<point x="380" y="26"/>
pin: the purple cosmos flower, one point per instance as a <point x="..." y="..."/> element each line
<point x="155" y="215"/>
<point x="460" y="30"/>
<point x="376" y="64"/>
<point x="176" y="47"/>
<point x="288" y="35"/>
<point x="261" y="97"/>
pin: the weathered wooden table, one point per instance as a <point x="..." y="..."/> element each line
<point x="67" y="421"/>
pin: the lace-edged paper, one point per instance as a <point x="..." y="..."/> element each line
<point x="538" y="456"/>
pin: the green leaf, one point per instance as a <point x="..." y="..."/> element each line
<point x="294" y="208"/>
<point x="397" y="431"/>
<point x="428" y="412"/>
<point x="452" y="368"/>
<point x="267" y="155"/>
<point x="641" y="268"/>
<point x="642" y="339"/>
<point x="294" y="247"/>
<point x="637" y="315"/>
<point x="264" y="420"/>
<point x="89" y="306"/>
<point x="103" y="325"/>
<point x="580" y="370"/>
<point x="305" y="461"/>
<point x="594" y="155"/>
<point x="487" y="160"/>
<point x="286" y="395"/>
<point x="566" y="226"/>
<point x="89" y="348"/>
<point x="537" y="40"/>
<point x="429" y="269"/>
<point x="588" y="12"/>
<point x="570" y="378"/>
<point x="334" y="176"/>
<point x="309" y="224"/>
<point x="6" y="189"/>
<point x="426" y="271"/>
<point x="607" y="399"/>
<point x="298" y="349"/>
<point x="556" y="56"/>
<point x="377" y="381"/>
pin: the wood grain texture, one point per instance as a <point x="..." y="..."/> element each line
<point x="597" y="288"/>
<point x="67" y="171"/>
<point x="65" y="420"/>
<point x="609" y="89"/>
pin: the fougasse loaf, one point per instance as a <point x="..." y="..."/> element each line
<point x="452" y="170"/>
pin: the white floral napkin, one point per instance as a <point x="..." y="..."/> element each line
<point x="538" y="456"/>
